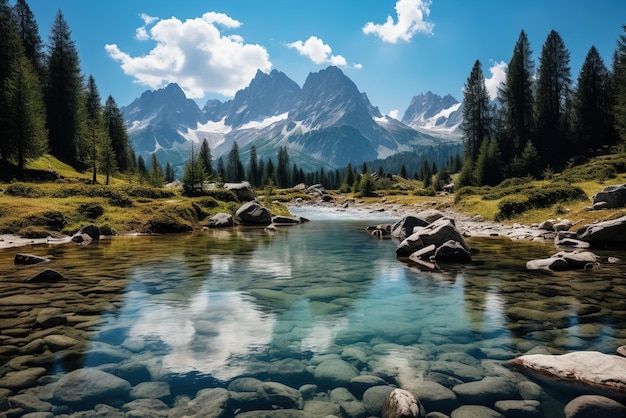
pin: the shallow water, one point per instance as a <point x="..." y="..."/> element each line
<point x="200" y="310"/>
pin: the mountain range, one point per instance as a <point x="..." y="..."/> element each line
<point x="325" y="123"/>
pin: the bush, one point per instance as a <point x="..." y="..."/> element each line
<point x="539" y="197"/>
<point x="221" y="194"/>
<point x="90" y="210"/>
<point x="52" y="220"/>
<point x="149" y="192"/>
<point x="511" y="206"/>
<point x="33" y="232"/>
<point x="24" y="190"/>
<point x="208" y="202"/>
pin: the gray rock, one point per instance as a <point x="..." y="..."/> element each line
<point x="244" y="384"/>
<point x="611" y="231"/>
<point x="209" y="403"/>
<point x="405" y="226"/>
<point x="373" y="399"/>
<point x="434" y="396"/>
<point x="146" y="407"/>
<point x="86" y="235"/>
<point x="243" y="190"/>
<point x="151" y="390"/>
<point x="90" y="386"/>
<point x="253" y="213"/>
<point x="359" y="384"/>
<point x="29" y="259"/>
<point x="220" y="220"/>
<point x="349" y="406"/>
<point x="277" y="394"/>
<point x="475" y="411"/>
<point x="437" y="233"/>
<point x="591" y="369"/>
<point x="50" y="317"/>
<point x="563" y="225"/>
<point x="286" y="220"/>
<point x="613" y="196"/>
<point x="549" y="264"/>
<point x="28" y="402"/>
<point x="456" y="369"/>
<point x="546" y="225"/>
<point x="591" y="406"/>
<point x="335" y="373"/>
<point x="486" y="391"/>
<point x="430" y="215"/>
<point x="59" y="342"/>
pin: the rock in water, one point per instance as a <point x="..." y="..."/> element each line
<point x="28" y="259"/>
<point x="253" y="213"/>
<point x="401" y="404"/>
<point x="46" y="276"/>
<point x="90" y="385"/>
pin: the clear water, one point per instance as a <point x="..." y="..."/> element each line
<point x="199" y="310"/>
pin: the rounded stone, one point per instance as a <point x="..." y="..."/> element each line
<point x="89" y="385"/>
<point x="335" y="373"/>
<point x="589" y="406"/>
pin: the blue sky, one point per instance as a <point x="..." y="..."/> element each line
<point x="392" y="49"/>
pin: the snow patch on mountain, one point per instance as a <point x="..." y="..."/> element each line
<point x="264" y="123"/>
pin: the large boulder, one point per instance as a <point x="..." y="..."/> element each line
<point x="335" y="373"/>
<point x="591" y="369"/>
<point x="243" y="190"/>
<point x="86" y="235"/>
<point x="612" y="231"/>
<point x="612" y="196"/>
<point x="588" y="406"/>
<point x="565" y="260"/>
<point x="405" y="226"/>
<point x="220" y="220"/>
<point x="28" y="259"/>
<point x="436" y="233"/>
<point x="253" y="213"/>
<point x="401" y="403"/>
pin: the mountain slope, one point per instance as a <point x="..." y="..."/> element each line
<point x="326" y="123"/>
<point x="435" y="114"/>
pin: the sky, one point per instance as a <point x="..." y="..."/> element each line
<point x="393" y="50"/>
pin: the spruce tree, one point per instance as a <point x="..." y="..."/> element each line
<point x="594" y="125"/>
<point x="142" y="171"/>
<point x="95" y="126"/>
<point x="156" y="171"/>
<point x="476" y="112"/>
<point x="10" y="51"/>
<point x="29" y="36"/>
<point x="234" y="167"/>
<point x="221" y="170"/>
<point x="516" y="99"/>
<point x="114" y="121"/>
<point x="282" y="168"/>
<point x="206" y="158"/>
<point x="63" y="90"/>
<point x="193" y="173"/>
<point x="619" y="86"/>
<point x="254" y="176"/>
<point x="169" y="172"/>
<point x="551" y="100"/>
<point x="23" y="107"/>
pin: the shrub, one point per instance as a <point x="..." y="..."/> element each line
<point x="511" y="206"/>
<point x="24" y="190"/>
<point x="52" y="220"/>
<point x="149" y="192"/>
<point x="539" y="197"/>
<point x="90" y="210"/>
<point x="208" y="202"/>
<point x="33" y="232"/>
<point x="224" y="195"/>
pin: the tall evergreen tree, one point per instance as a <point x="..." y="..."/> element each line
<point x="619" y="86"/>
<point x="10" y="50"/>
<point x="23" y="107"/>
<point x="169" y="172"/>
<point x="269" y="173"/>
<point x="156" y="171"/>
<point x="476" y="112"/>
<point x="95" y="126"/>
<point x="193" y="173"/>
<point x="114" y="121"/>
<point x="234" y="167"/>
<point x="254" y="176"/>
<point x="206" y="158"/>
<point x="63" y="92"/>
<point x="551" y="100"/>
<point x="142" y="170"/>
<point x="282" y="168"/>
<point x="593" y="121"/>
<point x="516" y="99"/>
<point x="29" y="35"/>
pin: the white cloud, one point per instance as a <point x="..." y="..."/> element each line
<point x="411" y="14"/>
<point x="194" y="54"/>
<point x="394" y="114"/>
<point x="498" y="78"/>
<point x="358" y="66"/>
<point x="318" y="52"/>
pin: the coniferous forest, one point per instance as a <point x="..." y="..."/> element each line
<point x="543" y="120"/>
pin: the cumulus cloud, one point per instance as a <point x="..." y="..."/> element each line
<point x="394" y="114"/>
<point x="195" y="54"/>
<point x="412" y="18"/>
<point x="318" y="52"/>
<point x="498" y="78"/>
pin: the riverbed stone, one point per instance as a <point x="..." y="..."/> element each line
<point x="58" y="342"/>
<point x="475" y="411"/>
<point x="374" y="397"/>
<point x="153" y="390"/>
<point x="590" y="406"/>
<point x="283" y="396"/>
<point x="597" y="371"/>
<point x="486" y="391"/>
<point x="402" y="403"/>
<point x="28" y="402"/>
<point x="359" y="384"/>
<point x="220" y="220"/>
<point x="50" y="317"/>
<point x="90" y="385"/>
<point x="405" y="226"/>
<point x="29" y="259"/>
<point x="209" y="403"/>
<point x="611" y="231"/>
<point x="434" y="396"/>
<point x="349" y="406"/>
<point x="147" y="407"/>
<point x="22" y="379"/>
<point x="519" y="409"/>
<point x="335" y="373"/>
<point x="437" y="233"/>
<point x="456" y="369"/>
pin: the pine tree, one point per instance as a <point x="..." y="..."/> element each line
<point x="619" y="86"/>
<point x="594" y="125"/>
<point x="516" y="99"/>
<point x="63" y="92"/>
<point x="551" y="99"/>
<point x="269" y="174"/>
<point x="108" y="164"/>
<point x="476" y="112"/>
<point x="142" y="171"/>
<point x="234" y="167"/>
<point x="29" y="36"/>
<point x="193" y="173"/>
<point x="156" y="171"/>
<point x="169" y="172"/>
<point x="23" y="107"/>
<point x="114" y="121"/>
<point x="282" y="169"/>
<point x="221" y="170"/>
<point x="254" y="176"/>
<point x="95" y="125"/>
<point x="206" y="158"/>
